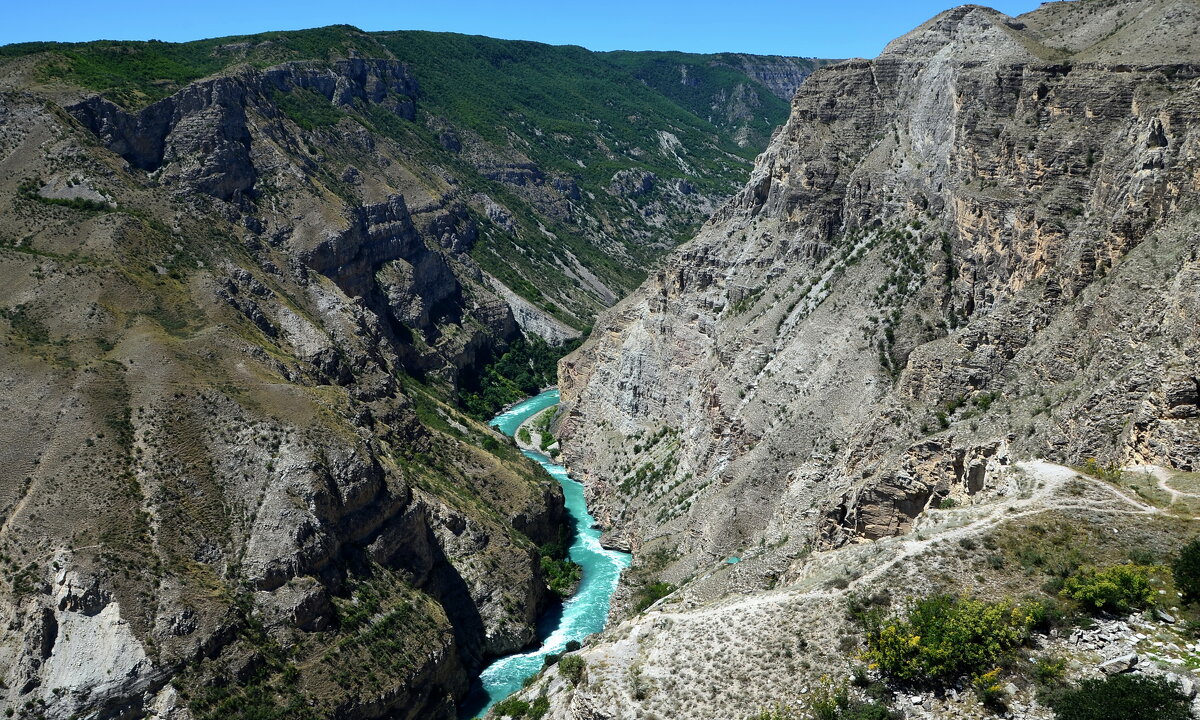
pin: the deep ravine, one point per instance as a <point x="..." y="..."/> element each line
<point x="580" y="616"/>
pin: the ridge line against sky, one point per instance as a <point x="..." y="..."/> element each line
<point x="849" y="28"/>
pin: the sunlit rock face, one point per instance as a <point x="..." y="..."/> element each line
<point x="974" y="248"/>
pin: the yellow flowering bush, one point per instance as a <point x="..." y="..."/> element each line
<point x="944" y="636"/>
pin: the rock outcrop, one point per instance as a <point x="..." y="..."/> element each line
<point x="781" y="75"/>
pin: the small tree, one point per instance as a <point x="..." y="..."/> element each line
<point x="572" y="668"/>
<point x="1186" y="571"/>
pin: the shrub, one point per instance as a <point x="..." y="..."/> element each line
<point x="827" y="701"/>
<point x="860" y="710"/>
<point x="652" y="593"/>
<point x="539" y="708"/>
<point x="987" y="689"/>
<point x="1119" y="588"/>
<point x="833" y="702"/>
<point x="1110" y="473"/>
<point x="944" y="637"/>
<point x="512" y="707"/>
<point x="1121" y="697"/>
<point x="572" y="667"/>
<point x="1048" y="614"/>
<point x="1049" y="671"/>
<point x="1186" y="571"/>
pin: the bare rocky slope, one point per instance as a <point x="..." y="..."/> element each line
<point x="976" y="249"/>
<point x="220" y="490"/>
<point x="241" y="282"/>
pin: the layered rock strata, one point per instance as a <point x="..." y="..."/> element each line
<point x="977" y="246"/>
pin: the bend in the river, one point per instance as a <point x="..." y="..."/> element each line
<point x="586" y="611"/>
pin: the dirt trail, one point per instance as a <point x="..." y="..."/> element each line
<point x="1162" y="476"/>
<point x="1037" y="488"/>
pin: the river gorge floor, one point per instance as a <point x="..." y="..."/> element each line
<point x="586" y="611"/>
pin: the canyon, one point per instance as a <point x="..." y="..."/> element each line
<point x="246" y="284"/>
<point x="935" y="335"/>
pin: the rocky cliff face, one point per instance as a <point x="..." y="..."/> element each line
<point x="975" y="248"/>
<point x="228" y="493"/>
<point x="228" y="138"/>
<point x="781" y="75"/>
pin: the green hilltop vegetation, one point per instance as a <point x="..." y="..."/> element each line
<point x="575" y="117"/>
<point x="476" y="80"/>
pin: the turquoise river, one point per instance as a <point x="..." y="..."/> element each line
<point x="581" y="615"/>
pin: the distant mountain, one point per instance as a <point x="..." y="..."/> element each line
<point x="579" y="163"/>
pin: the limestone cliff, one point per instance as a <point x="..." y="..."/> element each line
<point x="977" y="247"/>
<point x="223" y="488"/>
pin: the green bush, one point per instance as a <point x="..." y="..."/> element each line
<point x="987" y="689"/>
<point x="539" y="707"/>
<point x="1049" y="671"/>
<point x="868" y="710"/>
<point x="1110" y="473"/>
<point x="945" y="636"/>
<point x="833" y="702"/>
<point x="1121" y="697"/>
<point x="1186" y="571"/>
<point x="652" y="593"/>
<point x="512" y="707"/>
<point x="572" y="667"/>
<point x="1119" y="588"/>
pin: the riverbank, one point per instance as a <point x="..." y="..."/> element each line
<point x="531" y="428"/>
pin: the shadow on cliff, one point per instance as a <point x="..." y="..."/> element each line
<point x="476" y="699"/>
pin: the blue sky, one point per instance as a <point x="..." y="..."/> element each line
<point x="833" y="28"/>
